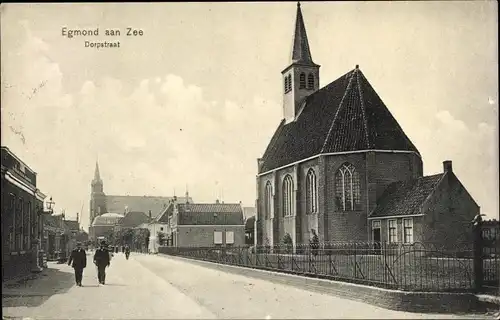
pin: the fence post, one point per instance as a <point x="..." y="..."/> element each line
<point x="478" y="254"/>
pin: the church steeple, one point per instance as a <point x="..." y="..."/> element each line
<point x="301" y="77"/>
<point x="97" y="185"/>
<point x="97" y="176"/>
<point x="97" y="196"/>
<point x="300" y="50"/>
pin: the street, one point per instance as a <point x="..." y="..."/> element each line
<point x="160" y="287"/>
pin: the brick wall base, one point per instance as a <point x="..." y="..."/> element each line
<point x="421" y="302"/>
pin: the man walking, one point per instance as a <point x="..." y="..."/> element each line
<point x="78" y="260"/>
<point x="102" y="260"/>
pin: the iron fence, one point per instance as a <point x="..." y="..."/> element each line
<point x="415" y="267"/>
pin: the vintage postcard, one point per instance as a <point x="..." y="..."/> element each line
<point x="258" y="160"/>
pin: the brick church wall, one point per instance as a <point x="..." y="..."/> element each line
<point x="376" y="171"/>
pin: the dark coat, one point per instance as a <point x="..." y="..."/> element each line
<point x="101" y="257"/>
<point x="78" y="259"/>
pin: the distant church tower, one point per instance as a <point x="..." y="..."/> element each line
<point x="97" y="196"/>
<point x="301" y="77"/>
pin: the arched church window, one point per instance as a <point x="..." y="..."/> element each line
<point x="311" y="192"/>
<point x="310" y="81"/>
<point x="347" y="188"/>
<point x="302" y="80"/>
<point x="287" y="196"/>
<point x="268" y="201"/>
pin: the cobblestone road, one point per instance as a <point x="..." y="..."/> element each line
<point x="158" y="287"/>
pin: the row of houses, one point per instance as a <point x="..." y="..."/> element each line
<point x="31" y="234"/>
<point x="182" y="224"/>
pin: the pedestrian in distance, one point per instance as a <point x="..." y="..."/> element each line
<point x="102" y="260"/>
<point x="78" y="260"/>
<point x="127" y="252"/>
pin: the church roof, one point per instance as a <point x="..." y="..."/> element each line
<point x="405" y="197"/>
<point x="344" y="116"/>
<point x="210" y="214"/>
<point x="140" y="203"/>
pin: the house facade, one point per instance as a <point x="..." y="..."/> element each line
<point x="434" y="209"/>
<point x="22" y="217"/>
<point x="205" y="224"/>
<point x="333" y="157"/>
<point x="57" y="237"/>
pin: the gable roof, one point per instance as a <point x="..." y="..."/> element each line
<point x="210" y="214"/>
<point x="164" y="215"/>
<point x="140" y="203"/>
<point x="405" y="197"/>
<point x="72" y="225"/>
<point x="52" y="221"/>
<point x="133" y="219"/>
<point x="344" y="116"/>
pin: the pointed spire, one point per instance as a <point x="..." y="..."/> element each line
<point x="97" y="176"/>
<point x="300" y="51"/>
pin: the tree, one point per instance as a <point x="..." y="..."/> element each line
<point x="141" y="238"/>
<point x="128" y="237"/>
<point x="161" y="236"/>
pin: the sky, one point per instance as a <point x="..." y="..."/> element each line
<point x="193" y="102"/>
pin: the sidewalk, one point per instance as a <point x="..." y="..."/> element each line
<point x="52" y="280"/>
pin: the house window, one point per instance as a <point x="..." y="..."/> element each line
<point x="310" y="81"/>
<point x="217" y="237"/>
<point x="408" y="230"/>
<point x="268" y="201"/>
<point x="287" y="196"/>
<point x="486" y="234"/>
<point x="12" y="229"/>
<point x="229" y="237"/>
<point x="311" y="192"/>
<point x="393" y="234"/>
<point x="20" y="229"/>
<point x="161" y="228"/>
<point x="26" y="228"/>
<point x="302" y="81"/>
<point x="347" y="188"/>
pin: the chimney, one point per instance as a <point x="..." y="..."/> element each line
<point x="447" y="167"/>
<point x="77" y="216"/>
<point x="217" y="201"/>
<point x="149" y="214"/>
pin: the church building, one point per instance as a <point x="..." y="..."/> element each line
<point x="114" y="205"/>
<point x="340" y="164"/>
